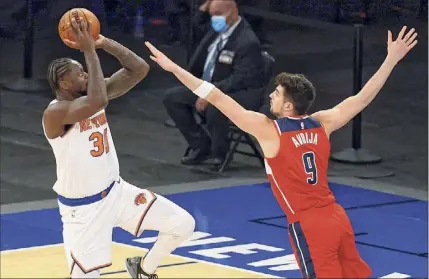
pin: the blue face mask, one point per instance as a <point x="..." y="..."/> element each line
<point x="219" y="23"/>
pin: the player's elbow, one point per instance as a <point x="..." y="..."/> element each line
<point x="142" y="70"/>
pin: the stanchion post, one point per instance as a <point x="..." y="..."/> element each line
<point x="356" y="154"/>
<point x="357" y="85"/>
<point x="26" y="83"/>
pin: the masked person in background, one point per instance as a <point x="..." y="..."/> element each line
<point x="229" y="56"/>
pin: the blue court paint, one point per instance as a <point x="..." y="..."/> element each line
<point x="32" y="228"/>
<point x="392" y="230"/>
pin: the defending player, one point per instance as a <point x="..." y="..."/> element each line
<point x="92" y="197"/>
<point x="296" y="148"/>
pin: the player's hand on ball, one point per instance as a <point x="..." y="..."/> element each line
<point x="84" y="40"/>
<point x="161" y="58"/>
<point x="396" y="50"/>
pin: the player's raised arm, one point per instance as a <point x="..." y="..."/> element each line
<point x="67" y="75"/>
<point x="72" y="111"/>
<point x="134" y="68"/>
<point x="254" y="123"/>
<point x="340" y="115"/>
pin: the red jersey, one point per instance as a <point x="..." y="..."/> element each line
<point x="299" y="172"/>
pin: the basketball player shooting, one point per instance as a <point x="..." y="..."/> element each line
<point x="296" y="148"/>
<point x="92" y="197"/>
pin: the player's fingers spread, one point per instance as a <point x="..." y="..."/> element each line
<point x="412" y="45"/>
<point x="74" y="25"/>
<point x="150" y="46"/>
<point x="84" y="25"/>
<point x="409" y="34"/>
<point x="411" y="40"/>
<point x="77" y="27"/>
<point x="89" y="27"/>
<point x="80" y="22"/>
<point x="153" y="49"/>
<point x="401" y="34"/>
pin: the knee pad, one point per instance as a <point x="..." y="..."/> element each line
<point x="78" y="273"/>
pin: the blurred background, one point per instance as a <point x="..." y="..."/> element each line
<point x="338" y="45"/>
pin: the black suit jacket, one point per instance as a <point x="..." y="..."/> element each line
<point x="243" y="78"/>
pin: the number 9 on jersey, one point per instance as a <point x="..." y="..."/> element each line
<point x="310" y="167"/>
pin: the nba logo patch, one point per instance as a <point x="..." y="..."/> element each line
<point x="302" y="125"/>
<point x="140" y="199"/>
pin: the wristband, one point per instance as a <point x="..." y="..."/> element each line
<point x="204" y="89"/>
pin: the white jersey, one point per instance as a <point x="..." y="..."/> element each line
<point x="86" y="158"/>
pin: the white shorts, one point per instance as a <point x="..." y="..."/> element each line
<point x="87" y="229"/>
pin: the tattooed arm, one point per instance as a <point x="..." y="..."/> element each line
<point x="134" y="68"/>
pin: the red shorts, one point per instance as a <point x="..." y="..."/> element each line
<point x="323" y="242"/>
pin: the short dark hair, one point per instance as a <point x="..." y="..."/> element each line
<point x="56" y="70"/>
<point x="298" y="89"/>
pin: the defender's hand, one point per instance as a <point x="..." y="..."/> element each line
<point x="396" y="50"/>
<point x="161" y="58"/>
<point x="83" y="39"/>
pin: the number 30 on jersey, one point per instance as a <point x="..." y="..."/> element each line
<point x="310" y="167"/>
<point x="101" y="143"/>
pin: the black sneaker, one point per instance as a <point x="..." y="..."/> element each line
<point x="134" y="269"/>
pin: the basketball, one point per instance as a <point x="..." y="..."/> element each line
<point x="65" y="29"/>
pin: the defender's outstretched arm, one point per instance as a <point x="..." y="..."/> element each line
<point x="340" y="115"/>
<point x="254" y="123"/>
